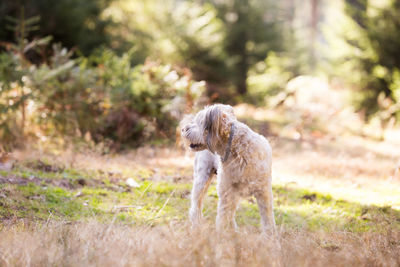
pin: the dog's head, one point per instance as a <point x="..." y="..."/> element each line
<point x="208" y="127"/>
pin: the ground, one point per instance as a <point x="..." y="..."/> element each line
<point x="337" y="202"/>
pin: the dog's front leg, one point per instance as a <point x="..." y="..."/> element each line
<point x="200" y="186"/>
<point x="203" y="173"/>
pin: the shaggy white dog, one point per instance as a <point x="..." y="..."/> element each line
<point x="241" y="158"/>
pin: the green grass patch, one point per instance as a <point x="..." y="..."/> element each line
<point x="160" y="202"/>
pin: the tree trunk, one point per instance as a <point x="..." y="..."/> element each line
<point x="242" y="77"/>
<point x="241" y="39"/>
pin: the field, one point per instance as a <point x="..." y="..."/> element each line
<point x="92" y="168"/>
<point x="337" y="203"/>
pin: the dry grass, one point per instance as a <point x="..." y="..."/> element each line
<point x="94" y="244"/>
<point x="157" y="163"/>
<point x="333" y="180"/>
<point x="343" y="168"/>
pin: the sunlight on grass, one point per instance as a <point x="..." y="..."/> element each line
<point x="382" y="194"/>
<point x="309" y="194"/>
<point x="161" y="202"/>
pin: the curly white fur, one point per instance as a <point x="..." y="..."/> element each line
<point x="247" y="170"/>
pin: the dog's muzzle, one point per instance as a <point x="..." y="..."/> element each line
<point x="193" y="145"/>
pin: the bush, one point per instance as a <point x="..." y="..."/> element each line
<point x="103" y="96"/>
<point x="144" y="100"/>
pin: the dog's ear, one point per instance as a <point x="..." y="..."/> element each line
<point x="212" y="125"/>
<point x="212" y="119"/>
<point x="216" y="123"/>
<point x="217" y="117"/>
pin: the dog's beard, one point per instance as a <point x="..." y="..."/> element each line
<point x="197" y="147"/>
<point x="194" y="141"/>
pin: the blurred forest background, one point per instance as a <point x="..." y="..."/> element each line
<point x="91" y="94"/>
<point x="124" y="71"/>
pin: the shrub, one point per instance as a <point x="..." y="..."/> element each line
<point x="144" y="100"/>
<point x="103" y="96"/>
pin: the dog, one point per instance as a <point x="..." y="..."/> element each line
<point x="241" y="158"/>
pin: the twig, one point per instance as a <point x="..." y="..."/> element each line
<point x="48" y="218"/>
<point x="146" y="189"/>
<point x="159" y="211"/>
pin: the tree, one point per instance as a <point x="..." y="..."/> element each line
<point x="375" y="42"/>
<point x="183" y="33"/>
<point x="74" y="23"/>
<point x="252" y="31"/>
<point x="14" y="67"/>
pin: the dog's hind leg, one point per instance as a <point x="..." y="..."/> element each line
<point x="228" y="199"/>
<point x="204" y="169"/>
<point x="265" y="205"/>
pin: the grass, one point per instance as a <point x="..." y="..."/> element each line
<point x="79" y="216"/>
<point x="76" y="195"/>
<point x="336" y="198"/>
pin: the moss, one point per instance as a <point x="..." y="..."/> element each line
<point x="160" y="202"/>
